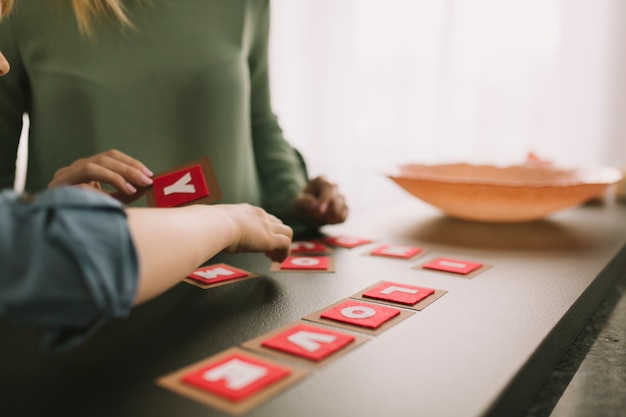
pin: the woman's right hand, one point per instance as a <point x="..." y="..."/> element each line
<point x="255" y="230"/>
<point x="126" y="174"/>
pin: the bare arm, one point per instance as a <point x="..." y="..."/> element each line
<point x="72" y="259"/>
<point x="171" y="243"/>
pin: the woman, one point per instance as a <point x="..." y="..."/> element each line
<point x="72" y="257"/>
<point x="167" y="81"/>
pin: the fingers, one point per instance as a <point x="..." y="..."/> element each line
<point x="282" y="250"/>
<point x="258" y="231"/>
<point x="113" y="167"/>
<point x="282" y="236"/>
<point x="321" y="203"/>
<point x="337" y="211"/>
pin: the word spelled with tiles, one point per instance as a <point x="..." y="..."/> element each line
<point x="237" y="380"/>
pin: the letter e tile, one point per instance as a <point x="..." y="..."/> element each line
<point x="233" y="381"/>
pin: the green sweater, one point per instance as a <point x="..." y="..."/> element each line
<point x="190" y="81"/>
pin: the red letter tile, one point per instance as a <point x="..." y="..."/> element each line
<point x="453" y="265"/>
<point x="307" y="246"/>
<point x="399" y="293"/>
<point x="309" y="342"/>
<point x="305" y="262"/>
<point x="346" y="241"/>
<point x="180" y="187"/>
<point x="396" y="251"/>
<point x="216" y="273"/>
<point x="366" y="315"/>
<point x="236" y="377"/>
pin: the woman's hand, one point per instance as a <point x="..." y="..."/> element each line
<point x="320" y="203"/>
<point x="127" y="175"/>
<point x="255" y="230"/>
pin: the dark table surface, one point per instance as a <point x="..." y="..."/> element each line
<point x="590" y="379"/>
<point x="485" y="348"/>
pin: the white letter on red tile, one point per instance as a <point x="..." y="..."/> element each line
<point x="305" y="261"/>
<point x="214" y="273"/>
<point x="181" y="186"/>
<point x="238" y="374"/>
<point x="309" y="340"/>
<point x="393" y="288"/>
<point x="358" y="312"/>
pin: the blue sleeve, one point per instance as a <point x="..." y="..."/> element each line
<point x="67" y="263"/>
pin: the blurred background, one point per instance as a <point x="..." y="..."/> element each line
<point x="361" y="85"/>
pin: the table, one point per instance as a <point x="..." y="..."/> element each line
<point x="590" y="379"/>
<point x="483" y="349"/>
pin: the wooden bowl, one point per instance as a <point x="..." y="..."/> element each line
<point x="488" y="193"/>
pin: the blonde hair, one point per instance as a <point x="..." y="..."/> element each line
<point x="88" y="11"/>
<point x="7" y="5"/>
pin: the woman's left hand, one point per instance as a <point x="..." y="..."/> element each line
<point x="320" y="203"/>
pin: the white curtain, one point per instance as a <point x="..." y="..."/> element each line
<point x="361" y="85"/>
